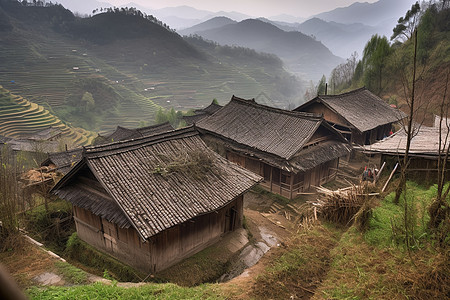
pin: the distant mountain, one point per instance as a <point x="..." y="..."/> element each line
<point x="373" y="14"/>
<point x="213" y="23"/>
<point x="287" y="18"/>
<point x="83" y="6"/>
<point x="184" y="11"/>
<point x="342" y="39"/>
<point x="231" y="15"/>
<point x="182" y="17"/>
<point x="301" y="54"/>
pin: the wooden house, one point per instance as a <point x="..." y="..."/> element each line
<point x="153" y="201"/>
<point x="122" y="133"/>
<point x="63" y="161"/>
<point x="359" y="115"/>
<point x="202" y="113"/>
<point x="291" y="150"/>
<point x="423" y="152"/>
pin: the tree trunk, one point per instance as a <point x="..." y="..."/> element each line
<point x="409" y="132"/>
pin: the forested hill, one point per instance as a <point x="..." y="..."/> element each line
<point x="387" y="65"/>
<point x="130" y="62"/>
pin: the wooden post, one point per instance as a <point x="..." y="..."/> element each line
<point x="281" y="192"/>
<point x="292" y="186"/>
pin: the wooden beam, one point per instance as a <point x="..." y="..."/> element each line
<point x="292" y="186"/>
<point x="390" y="177"/>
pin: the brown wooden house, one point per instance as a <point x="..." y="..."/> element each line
<point x="423" y="153"/>
<point x="153" y="201"/>
<point x="359" y="115"/>
<point x="291" y="150"/>
<point x="64" y="161"/>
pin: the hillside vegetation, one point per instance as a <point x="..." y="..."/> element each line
<point x="127" y="61"/>
<point x="386" y="67"/>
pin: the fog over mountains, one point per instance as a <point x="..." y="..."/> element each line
<point x="318" y="43"/>
<point x="301" y="54"/>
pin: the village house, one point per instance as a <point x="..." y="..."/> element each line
<point x="122" y="133"/>
<point x="152" y="201"/>
<point x="423" y="152"/>
<point x="359" y="115"/>
<point x="202" y="113"/>
<point x="63" y="161"/>
<point x="292" y="151"/>
<point x="47" y="134"/>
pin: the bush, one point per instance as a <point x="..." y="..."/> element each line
<point x="40" y="222"/>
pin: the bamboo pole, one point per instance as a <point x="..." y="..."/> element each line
<point x="390" y="177"/>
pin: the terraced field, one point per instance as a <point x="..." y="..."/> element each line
<point x="53" y="66"/>
<point x="20" y="117"/>
<point x="48" y="74"/>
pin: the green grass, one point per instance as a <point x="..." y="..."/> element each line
<point x="149" y="291"/>
<point x="298" y="268"/>
<point x="389" y="215"/>
<point x="376" y="265"/>
<point x="72" y="273"/>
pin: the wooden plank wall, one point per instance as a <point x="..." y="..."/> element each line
<point x="162" y="250"/>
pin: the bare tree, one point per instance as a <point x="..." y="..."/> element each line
<point x="409" y="126"/>
<point x="439" y="209"/>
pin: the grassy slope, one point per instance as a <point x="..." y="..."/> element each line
<point x="324" y="262"/>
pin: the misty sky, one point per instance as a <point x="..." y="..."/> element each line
<point x="266" y="8"/>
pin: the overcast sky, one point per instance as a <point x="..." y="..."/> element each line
<point x="266" y="8"/>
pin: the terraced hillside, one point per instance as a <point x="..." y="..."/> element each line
<point x="129" y="65"/>
<point x="20" y="117"/>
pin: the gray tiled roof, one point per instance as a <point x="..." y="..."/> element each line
<point x="132" y="173"/>
<point x="361" y="108"/>
<point x="275" y="136"/>
<point x="275" y="131"/>
<point x="65" y="160"/>
<point x="425" y="141"/>
<point x="122" y="133"/>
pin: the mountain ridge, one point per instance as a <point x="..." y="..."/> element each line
<point x="301" y="53"/>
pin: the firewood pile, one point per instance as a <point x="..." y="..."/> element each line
<point x="40" y="176"/>
<point x="341" y="206"/>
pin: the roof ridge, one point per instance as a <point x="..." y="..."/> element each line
<point x="346" y="93"/>
<point x="114" y="147"/>
<point x="152" y="126"/>
<point x="252" y="102"/>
